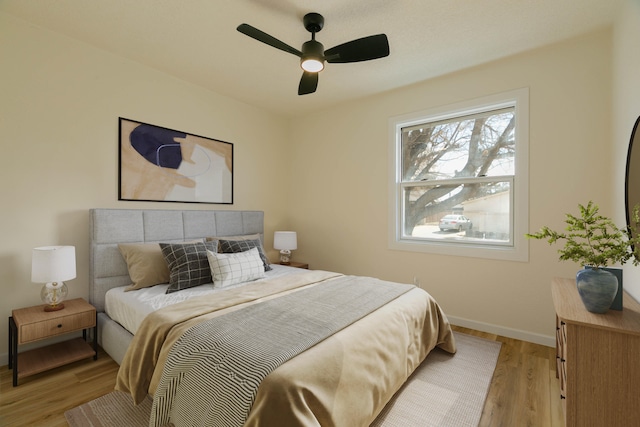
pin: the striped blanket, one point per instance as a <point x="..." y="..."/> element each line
<point x="213" y="371"/>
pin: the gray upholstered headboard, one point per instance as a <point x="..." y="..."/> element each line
<point x="108" y="227"/>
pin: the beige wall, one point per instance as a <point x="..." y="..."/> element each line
<point x="59" y="108"/>
<point x="61" y="100"/>
<point x="626" y="109"/>
<point x="340" y="180"/>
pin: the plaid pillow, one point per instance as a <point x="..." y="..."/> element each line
<point x="188" y="264"/>
<point x="235" y="246"/>
<point x="229" y="269"/>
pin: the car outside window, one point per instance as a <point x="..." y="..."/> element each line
<point x="455" y="223"/>
<point x="460" y="179"/>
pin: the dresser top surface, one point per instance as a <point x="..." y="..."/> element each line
<point x="569" y="308"/>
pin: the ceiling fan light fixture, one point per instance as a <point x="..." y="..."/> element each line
<point x="312" y="65"/>
<point x="312" y="59"/>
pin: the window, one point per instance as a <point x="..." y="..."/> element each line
<point x="460" y="178"/>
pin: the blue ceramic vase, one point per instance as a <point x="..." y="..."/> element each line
<point x="597" y="288"/>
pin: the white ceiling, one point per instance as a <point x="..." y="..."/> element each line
<point x="197" y="41"/>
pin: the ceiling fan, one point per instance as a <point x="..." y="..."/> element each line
<point x="312" y="56"/>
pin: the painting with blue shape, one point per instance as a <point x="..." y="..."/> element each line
<point x="157" y="145"/>
<point x="161" y="164"/>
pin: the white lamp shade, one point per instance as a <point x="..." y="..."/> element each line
<point x="285" y="240"/>
<point x="53" y="264"/>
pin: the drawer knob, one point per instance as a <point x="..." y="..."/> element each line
<point x="60" y="325"/>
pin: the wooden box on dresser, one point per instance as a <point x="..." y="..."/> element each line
<point x="598" y="360"/>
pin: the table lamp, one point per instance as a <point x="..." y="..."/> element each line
<point x="52" y="265"/>
<point x="286" y="241"/>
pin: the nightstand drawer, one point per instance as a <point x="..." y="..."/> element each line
<point x="61" y="325"/>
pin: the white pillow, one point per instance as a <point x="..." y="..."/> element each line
<point x="229" y="269"/>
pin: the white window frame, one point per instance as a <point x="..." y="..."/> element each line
<point x="519" y="249"/>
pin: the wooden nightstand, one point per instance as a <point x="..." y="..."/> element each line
<point x="298" y="265"/>
<point x="32" y="324"/>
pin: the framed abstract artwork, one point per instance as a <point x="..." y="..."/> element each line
<point x="157" y="164"/>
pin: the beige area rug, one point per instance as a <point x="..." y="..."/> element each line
<point x="445" y="391"/>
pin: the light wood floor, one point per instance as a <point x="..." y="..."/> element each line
<point x="524" y="390"/>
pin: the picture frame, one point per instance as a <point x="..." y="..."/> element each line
<point x="158" y="164"/>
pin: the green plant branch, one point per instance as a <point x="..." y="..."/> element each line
<point x="594" y="240"/>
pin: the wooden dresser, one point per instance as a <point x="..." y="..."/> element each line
<point x="598" y="360"/>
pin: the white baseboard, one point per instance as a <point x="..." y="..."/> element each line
<point x="549" y="341"/>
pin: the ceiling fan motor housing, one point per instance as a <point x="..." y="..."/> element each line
<point x="314" y="51"/>
<point x="313" y="22"/>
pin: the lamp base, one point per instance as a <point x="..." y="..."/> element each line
<point x="53" y="307"/>
<point x="52" y="295"/>
<point x="285" y="256"/>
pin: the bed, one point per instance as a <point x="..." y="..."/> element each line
<point x="344" y="369"/>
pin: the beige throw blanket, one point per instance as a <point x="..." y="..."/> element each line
<point x="218" y="365"/>
<point x="344" y="380"/>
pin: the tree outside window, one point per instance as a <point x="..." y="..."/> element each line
<point x="455" y="177"/>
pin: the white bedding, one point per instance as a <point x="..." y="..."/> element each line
<point x="130" y="308"/>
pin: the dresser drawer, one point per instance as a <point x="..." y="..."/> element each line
<point x="562" y="376"/>
<point x="61" y="325"/>
<point x="561" y="352"/>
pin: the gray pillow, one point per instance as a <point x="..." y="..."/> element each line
<point x="235" y="246"/>
<point x="188" y="264"/>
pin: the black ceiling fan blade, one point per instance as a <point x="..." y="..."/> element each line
<point x="308" y="83"/>
<point x="263" y="37"/>
<point x="364" y="49"/>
